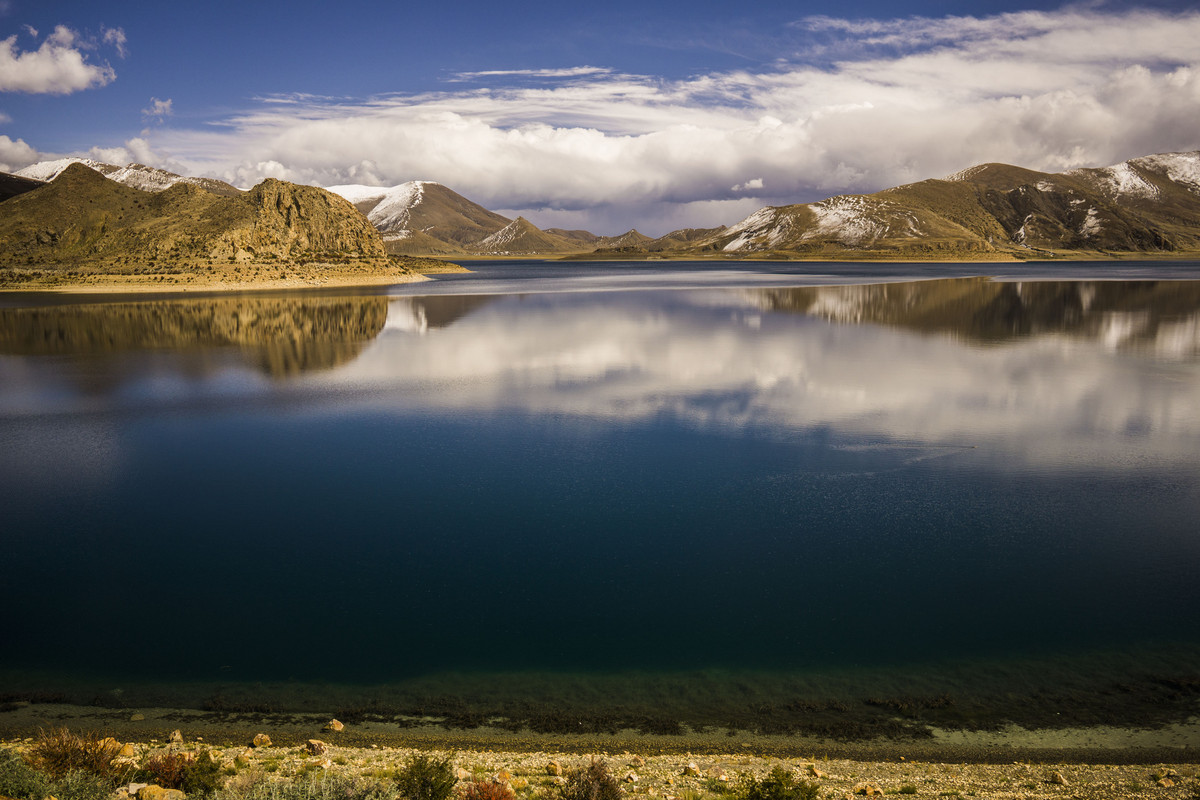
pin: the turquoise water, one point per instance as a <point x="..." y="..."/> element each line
<point x="895" y="479"/>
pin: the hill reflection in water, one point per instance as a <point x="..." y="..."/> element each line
<point x="282" y="336"/>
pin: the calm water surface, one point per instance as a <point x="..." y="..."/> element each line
<point x="693" y="475"/>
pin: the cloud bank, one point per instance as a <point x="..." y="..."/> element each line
<point x="59" y="66"/>
<point x="845" y="106"/>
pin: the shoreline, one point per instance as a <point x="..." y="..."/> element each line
<point x="1099" y="744"/>
<point x="312" y="749"/>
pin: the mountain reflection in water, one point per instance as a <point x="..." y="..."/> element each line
<point x="282" y="336"/>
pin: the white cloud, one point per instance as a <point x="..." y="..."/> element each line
<point x="115" y="37"/>
<point x="58" y="66"/>
<point x="904" y="100"/>
<point x="15" y="155"/>
<point x="158" y="109"/>
<point x="566" y="72"/>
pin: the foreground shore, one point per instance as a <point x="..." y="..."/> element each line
<point x="531" y="765"/>
<point x="203" y="279"/>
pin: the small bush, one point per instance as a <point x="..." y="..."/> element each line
<point x="487" y="790"/>
<point x="59" y="752"/>
<point x="908" y="788"/>
<point x="426" y="778"/>
<point x="592" y="782"/>
<point x="327" y="786"/>
<point x="780" y="784"/>
<point x="194" y="774"/>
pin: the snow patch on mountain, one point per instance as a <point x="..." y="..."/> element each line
<point x="1182" y="168"/>
<point x="762" y="230"/>
<point x="966" y="174"/>
<point x="1120" y="180"/>
<point x="49" y="170"/>
<point x="393" y="208"/>
<point x="505" y="236"/>
<point x="848" y="220"/>
<point x="1090" y="225"/>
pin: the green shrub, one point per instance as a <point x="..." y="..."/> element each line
<point x="780" y="784"/>
<point x="19" y="780"/>
<point x="426" y="778"/>
<point x="592" y="782"/>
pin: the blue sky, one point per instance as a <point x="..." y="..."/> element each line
<point x="652" y="114"/>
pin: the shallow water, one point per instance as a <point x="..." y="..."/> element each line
<point x="722" y="477"/>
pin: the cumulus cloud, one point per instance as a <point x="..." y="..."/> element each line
<point x="872" y="104"/>
<point x="59" y="66"/>
<point x="16" y="154"/>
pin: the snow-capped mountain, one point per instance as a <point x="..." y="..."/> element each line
<point x="137" y="176"/>
<point x="423" y="216"/>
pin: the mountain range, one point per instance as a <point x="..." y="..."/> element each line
<point x="1148" y="205"/>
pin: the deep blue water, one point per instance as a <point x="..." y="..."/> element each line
<point x="376" y="488"/>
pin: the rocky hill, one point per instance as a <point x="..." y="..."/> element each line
<point x="82" y="221"/>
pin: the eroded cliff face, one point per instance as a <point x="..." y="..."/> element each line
<point x="81" y="218"/>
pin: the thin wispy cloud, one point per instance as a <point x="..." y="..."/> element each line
<point x="568" y="72"/>
<point x="906" y="100"/>
<point x="60" y="65"/>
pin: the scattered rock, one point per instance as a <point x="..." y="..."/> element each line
<point x="693" y="771"/>
<point x="176" y="736"/>
<point x="518" y="783"/>
<point x="868" y="789"/>
<point x="503" y="776"/>
<point x="631" y="777"/>
<point x="134" y="788"/>
<point x="127" y="751"/>
<point x="554" y="768"/>
<point x="242" y="759"/>
<point x="316" y="747"/>
<point x="816" y="773"/>
<point x="137" y="717"/>
<point x="461" y="774"/>
<point x="719" y="774"/>
<point x="153" y="792"/>
<point x="324" y="763"/>
<point x="261" y="740"/>
<point x="559" y="780"/>
<point x="637" y="761"/>
<point x="1058" y="779"/>
<point x="334" y="725"/>
<point x="1166" y="783"/>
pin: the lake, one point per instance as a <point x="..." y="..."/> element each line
<point x="737" y="494"/>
